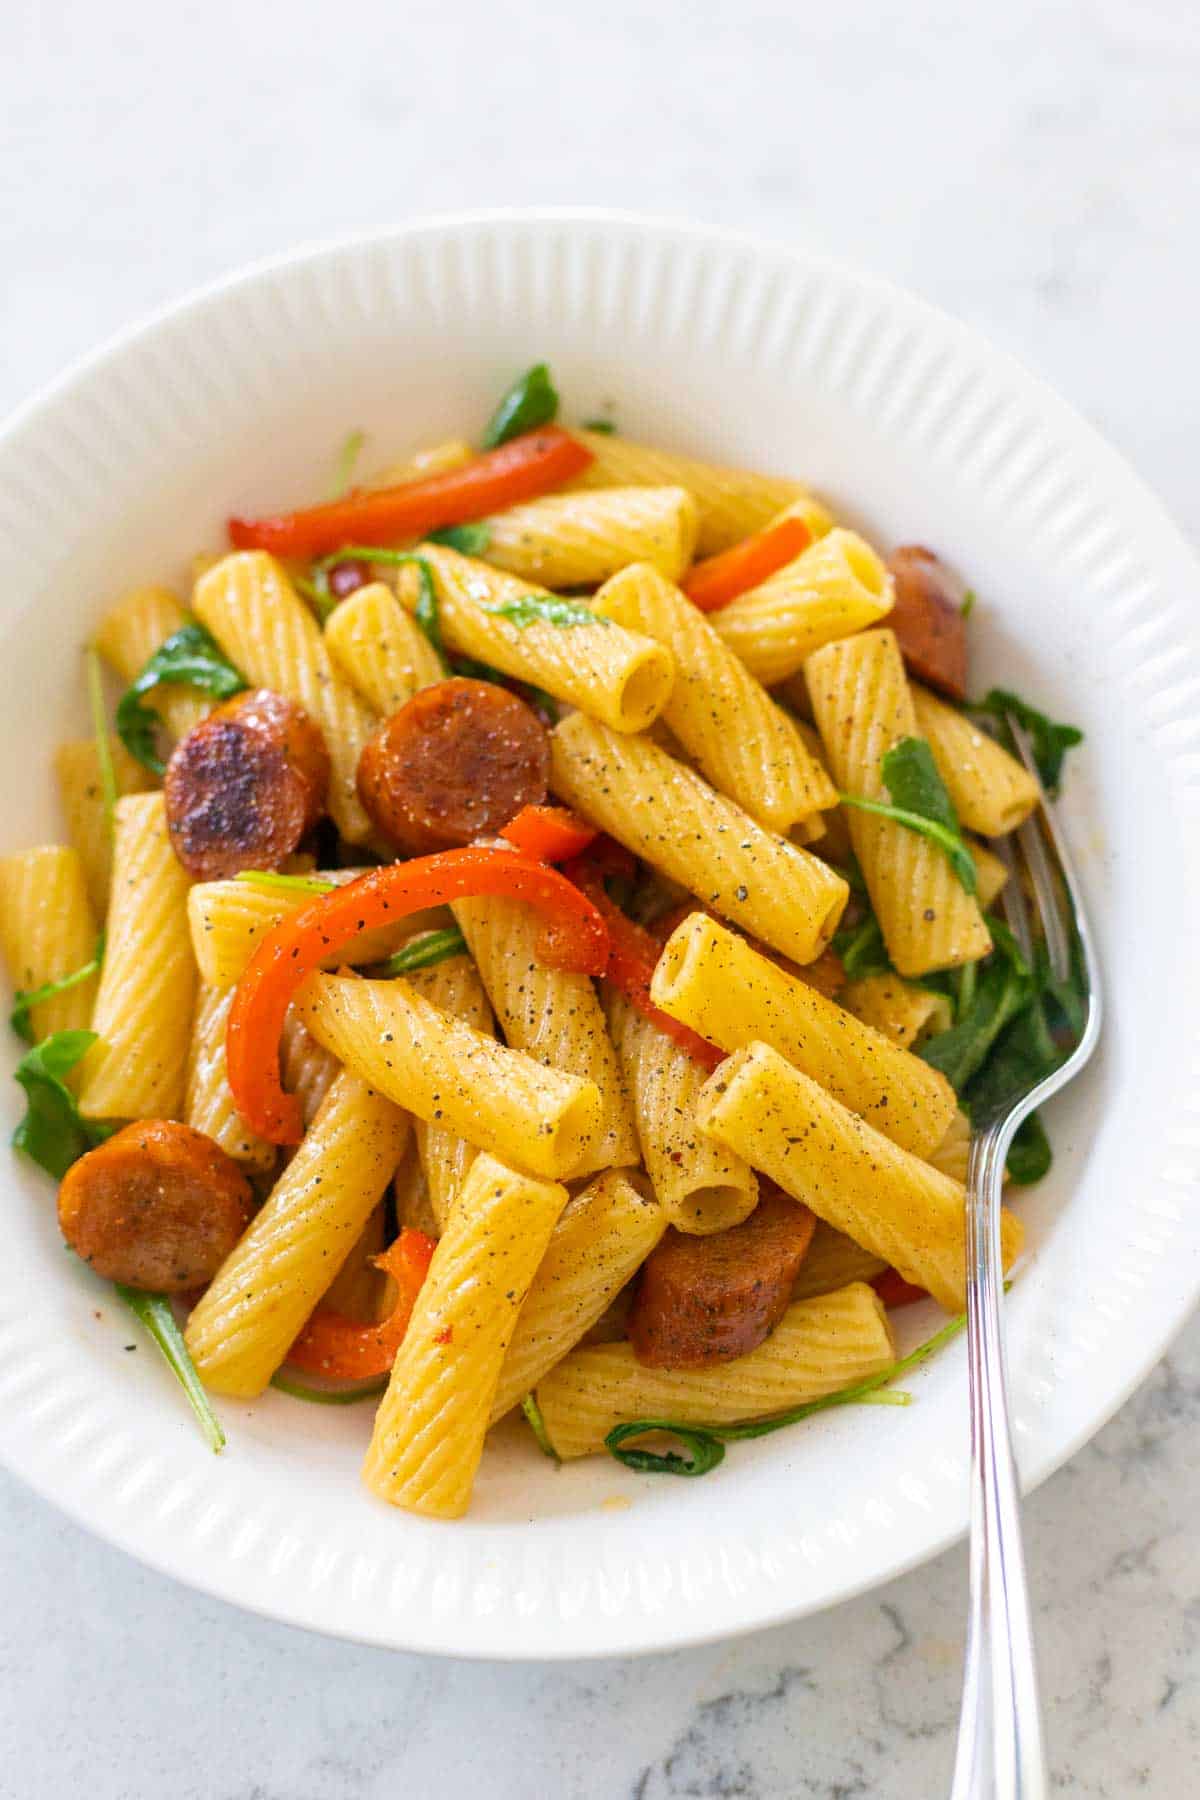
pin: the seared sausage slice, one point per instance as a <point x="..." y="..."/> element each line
<point x="456" y="763"/>
<point x="158" y="1206"/>
<point x="244" y="785"/>
<point x="705" y="1300"/>
<point x="927" y="618"/>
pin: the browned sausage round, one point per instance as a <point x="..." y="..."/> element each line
<point x="927" y="618"/>
<point x="159" y="1206"/>
<point x="244" y="785"/>
<point x="456" y="763"/>
<point x="703" y="1300"/>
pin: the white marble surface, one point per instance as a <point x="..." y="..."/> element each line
<point x="1035" y="167"/>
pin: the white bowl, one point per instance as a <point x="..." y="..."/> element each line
<point x="915" y="429"/>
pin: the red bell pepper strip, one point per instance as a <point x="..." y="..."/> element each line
<point x="893" y="1290"/>
<point x="549" y="833"/>
<point x="301" y="941"/>
<point x="719" y="579"/>
<point x="347" y="1350"/>
<point x="632" y="956"/>
<point x="520" y="470"/>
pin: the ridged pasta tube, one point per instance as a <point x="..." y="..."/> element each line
<point x="731" y="728"/>
<point x="501" y="1100"/>
<point x="130" y="632"/>
<point x="358" y="1289"/>
<point x="732" y="502"/>
<point x="579" y="540"/>
<point x="667" y="815"/>
<point x="819" y="1346"/>
<point x="230" y="919"/>
<point x="445" y="1156"/>
<point x="714" y="981"/>
<point x="851" y="1176"/>
<point x="832" y="1261"/>
<point x="380" y="650"/>
<point x="209" y="1105"/>
<point x="991" y="873"/>
<point x="897" y="1008"/>
<point x="992" y="792"/>
<point x="435" y="459"/>
<point x="701" y="1186"/>
<point x="143" y="1010"/>
<point x="252" y="610"/>
<point x="953" y="1153"/>
<point x="863" y="706"/>
<point x="615" y="675"/>
<point x="249" y="1318"/>
<point x="429" y="1430"/>
<point x="551" y="1014"/>
<point x="306" y="1067"/>
<point x="599" y="1243"/>
<point x="835" y="587"/>
<point x="81" y="793"/>
<point x="48" y="930"/>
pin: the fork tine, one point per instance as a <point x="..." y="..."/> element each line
<point x="1012" y="899"/>
<point x="1047" y="891"/>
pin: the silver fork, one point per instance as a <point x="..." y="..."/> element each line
<point x="1000" y="1754"/>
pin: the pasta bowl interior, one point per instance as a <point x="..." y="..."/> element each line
<point x="912" y="430"/>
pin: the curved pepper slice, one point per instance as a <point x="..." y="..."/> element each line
<point x="893" y="1290"/>
<point x="520" y="470"/>
<point x="551" y="833"/>
<point x="345" y="1349"/>
<point x="719" y="579"/>
<point x="303" y="940"/>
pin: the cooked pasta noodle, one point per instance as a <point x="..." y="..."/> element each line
<point x="379" y="650"/>
<point x="992" y="792"/>
<point x="129" y="634"/>
<point x="579" y="540"/>
<point x="209" y="1105"/>
<point x="903" y="1012"/>
<point x="81" y="792"/>
<point x="444" y="1155"/>
<point x="835" y="587"/>
<point x="832" y="1261"/>
<point x="48" y="930"/>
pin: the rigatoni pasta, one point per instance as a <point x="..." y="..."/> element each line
<point x="579" y="540"/>
<point x="834" y="588"/>
<point x="48" y="931"/>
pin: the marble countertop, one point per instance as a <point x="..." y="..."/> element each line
<point x="1035" y="170"/>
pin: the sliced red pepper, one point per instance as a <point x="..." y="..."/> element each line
<point x="302" y="940"/>
<point x="549" y="833"/>
<point x="632" y="956"/>
<point x="519" y="470"/>
<point x="345" y="1349"/>
<point x="893" y="1290"/>
<point x="719" y="579"/>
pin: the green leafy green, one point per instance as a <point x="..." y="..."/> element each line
<point x="605" y="427"/>
<point x="1003" y="985"/>
<point x="318" y="595"/>
<point x="104" y="755"/>
<point x="1029" y="1154"/>
<point x="921" y="803"/>
<point x="861" y="949"/>
<point x="426" y="613"/>
<point x="52" y="1131"/>
<point x="537" y="1425"/>
<point x="970" y="599"/>
<point x="1050" y="741"/>
<point x="300" y="1390"/>
<point x="531" y="401"/>
<point x="468" y="540"/>
<point x="424" y="951"/>
<point x="287" y="884"/>
<point x="343" y="469"/>
<point x="25" y="999"/>
<point x="154" y="1313"/>
<point x="706" y="1443"/>
<point x="190" y="657"/>
<point x="542" y="609"/>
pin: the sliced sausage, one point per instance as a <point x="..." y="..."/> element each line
<point x="245" y="785"/>
<point x="158" y="1206"/>
<point x="928" y="620"/>
<point x="703" y="1300"/>
<point x="456" y="763"/>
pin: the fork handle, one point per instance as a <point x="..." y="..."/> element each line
<point x="1000" y="1754"/>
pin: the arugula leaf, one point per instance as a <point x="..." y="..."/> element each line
<point x="922" y="804"/>
<point x="605" y="427"/>
<point x="1023" y="1055"/>
<point x="1050" y="741"/>
<point x="537" y="1425"/>
<point x="706" y="1443"/>
<point x="52" y="1131"/>
<point x="1029" y="1154"/>
<point x="190" y="657"/>
<point x="153" y="1311"/>
<point x="343" y="469"/>
<point x="1003" y="984"/>
<point x="424" y="951"/>
<point x="318" y="596"/>
<point x="104" y="755"/>
<point x="531" y="401"/>
<point x="969" y="602"/>
<point x="288" y="884"/>
<point x="542" y="609"/>
<point x="468" y="540"/>
<point x="861" y="949"/>
<point x="25" y="999"/>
